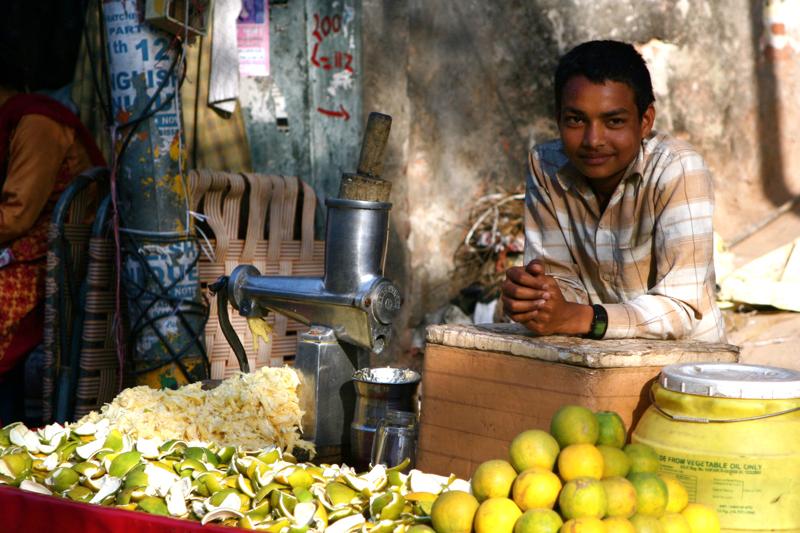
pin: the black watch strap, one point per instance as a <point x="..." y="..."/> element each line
<point x="599" y="323"/>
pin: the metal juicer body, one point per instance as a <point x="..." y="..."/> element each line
<point x="350" y="309"/>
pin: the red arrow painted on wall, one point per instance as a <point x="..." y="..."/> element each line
<point x="342" y="113"/>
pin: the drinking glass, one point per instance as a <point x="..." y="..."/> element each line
<point x="395" y="440"/>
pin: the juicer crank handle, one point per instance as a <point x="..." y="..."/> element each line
<point x="366" y="184"/>
<point x="370" y="163"/>
<point x="220" y="288"/>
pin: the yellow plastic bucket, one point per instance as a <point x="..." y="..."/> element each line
<point x="731" y="434"/>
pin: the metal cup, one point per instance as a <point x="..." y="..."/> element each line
<point x="395" y="440"/>
<point x="378" y="390"/>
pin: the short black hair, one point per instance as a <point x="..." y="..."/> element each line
<point x="601" y="61"/>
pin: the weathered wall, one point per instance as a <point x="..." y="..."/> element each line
<point x="469" y="85"/>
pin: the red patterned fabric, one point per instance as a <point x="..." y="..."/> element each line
<point x="28" y="512"/>
<point x="27" y="336"/>
<point x="22" y="282"/>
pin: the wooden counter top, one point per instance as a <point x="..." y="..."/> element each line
<point x="514" y="339"/>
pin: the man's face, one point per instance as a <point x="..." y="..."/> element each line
<point x="600" y="127"/>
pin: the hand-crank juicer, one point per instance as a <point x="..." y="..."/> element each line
<point x="350" y="309"/>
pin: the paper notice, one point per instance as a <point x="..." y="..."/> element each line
<point x="252" y="31"/>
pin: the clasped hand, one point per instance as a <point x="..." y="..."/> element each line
<point x="535" y="300"/>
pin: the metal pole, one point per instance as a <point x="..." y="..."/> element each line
<point x="160" y="279"/>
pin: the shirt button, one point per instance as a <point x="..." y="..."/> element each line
<point x="606" y="276"/>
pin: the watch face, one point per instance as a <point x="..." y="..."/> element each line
<point x="599" y="322"/>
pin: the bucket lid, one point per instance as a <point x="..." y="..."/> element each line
<point x="727" y="380"/>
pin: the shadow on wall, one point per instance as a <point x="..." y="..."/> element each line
<point x="478" y="85"/>
<point x="769" y="120"/>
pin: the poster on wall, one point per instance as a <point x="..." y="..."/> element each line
<point x="252" y="33"/>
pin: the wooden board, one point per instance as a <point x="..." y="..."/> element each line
<point x="514" y="339"/>
<point x="474" y="401"/>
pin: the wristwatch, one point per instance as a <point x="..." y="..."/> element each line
<point x="599" y="323"/>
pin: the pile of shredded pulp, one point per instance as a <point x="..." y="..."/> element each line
<point x="247" y="410"/>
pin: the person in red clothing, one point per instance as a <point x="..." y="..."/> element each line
<point x="43" y="145"/>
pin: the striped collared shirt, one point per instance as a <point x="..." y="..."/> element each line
<point x="648" y="258"/>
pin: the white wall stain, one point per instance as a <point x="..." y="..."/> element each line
<point x="279" y="101"/>
<point x="262" y="98"/>
<point x="340" y="80"/>
<point x="347" y="18"/>
<point x="781" y="25"/>
<point x="683" y="7"/>
<point x="658" y="55"/>
<point x="558" y="29"/>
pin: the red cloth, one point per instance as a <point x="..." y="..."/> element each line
<point x="20" y="105"/>
<point x="27" y="512"/>
<point x="27" y="336"/>
<point x="22" y="282"/>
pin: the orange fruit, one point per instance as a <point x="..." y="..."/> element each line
<point x="643" y="458"/>
<point x="583" y="498"/>
<point x="701" y="518"/>
<point x="621" y="497"/>
<point x="496" y="515"/>
<point x="573" y="424"/>
<point x="454" y="512"/>
<point x="612" y="429"/>
<point x="675" y="523"/>
<point x="536" y="488"/>
<point x="533" y="448"/>
<point x="651" y="494"/>
<point x="616" y="524"/>
<point x="646" y="524"/>
<point x="580" y="460"/>
<point x="616" y="462"/>
<point x="538" y="521"/>
<point x="493" y="479"/>
<point x="677" y="497"/>
<point x="584" y="525"/>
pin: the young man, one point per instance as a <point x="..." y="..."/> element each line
<point x="618" y="220"/>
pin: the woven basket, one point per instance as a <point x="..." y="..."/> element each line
<point x="271" y="211"/>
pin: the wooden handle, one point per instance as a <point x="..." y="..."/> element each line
<point x="365" y="188"/>
<point x="367" y="184"/>
<point x="370" y="163"/>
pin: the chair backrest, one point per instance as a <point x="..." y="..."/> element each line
<point x="85" y="375"/>
<point x="68" y="240"/>
<point x="98" y="369"/>
<point x="272" y="210"/>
